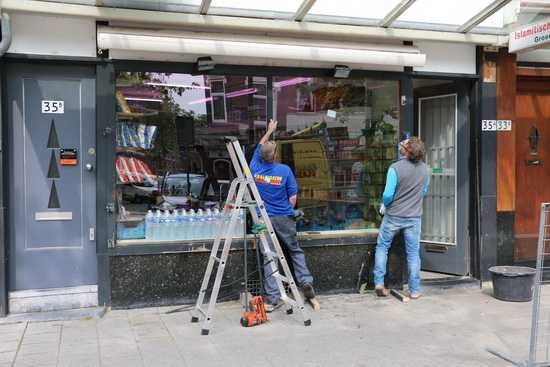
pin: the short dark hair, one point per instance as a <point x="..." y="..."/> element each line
<point x="416" y="149"/>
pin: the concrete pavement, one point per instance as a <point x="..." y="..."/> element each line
<point x="446" y="327"/>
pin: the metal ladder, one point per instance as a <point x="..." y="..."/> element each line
<point x="243" y="193"/>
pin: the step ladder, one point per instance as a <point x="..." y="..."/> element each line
<point x="243" y="193"/>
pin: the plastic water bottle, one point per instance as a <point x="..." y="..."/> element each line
<point x="174" y="225"/>
<point x="157" y="229"/>
<point x="216" y="219"/>
<point x="240" y="224"/>
<point x="208" y="224"/>
<point x="183" y="224"/>
<point x="200" y="223"/>
<point x="191" y="225"/>
<point x="227" y="222"/>
<point x="165" y="226"/>
<point x="149" y="226"/>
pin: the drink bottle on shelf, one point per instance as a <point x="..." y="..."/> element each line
<point x="208" y="223"/>
<point x="149" y="226"/>
<point x="191" y="225"/>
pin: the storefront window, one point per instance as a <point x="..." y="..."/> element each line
<point x="339" y="136"/>
<point x="173" y="170"/>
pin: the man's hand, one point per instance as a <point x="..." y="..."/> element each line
<point x="272" y="126"/>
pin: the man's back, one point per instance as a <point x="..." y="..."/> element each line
<point x="411" y="179"/>
<point x="275" y="182"/>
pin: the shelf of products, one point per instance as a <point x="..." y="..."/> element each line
<point x="381" y="152"/>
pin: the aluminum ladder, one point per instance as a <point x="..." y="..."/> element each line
<point x="243" y="193"/>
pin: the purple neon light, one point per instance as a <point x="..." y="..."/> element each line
<point x="177" y="85"/>
<point x="285" y="83"/>
<point x="144" y="99"/>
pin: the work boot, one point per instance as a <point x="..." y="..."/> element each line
<point x="308" y="290"/>
<point x="416" y="295"/>
<point x="381" y="291"/>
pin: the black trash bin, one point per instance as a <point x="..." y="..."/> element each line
<point x="513" y="283"/>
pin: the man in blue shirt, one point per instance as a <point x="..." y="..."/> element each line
<point x="406" y="185"/>
<point x="279" y="190"/>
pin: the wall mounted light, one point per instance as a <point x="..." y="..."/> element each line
<point x="341" y="71"/>
<point x="205" y="64"/>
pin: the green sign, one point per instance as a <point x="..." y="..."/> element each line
<point x="438" y="170"/>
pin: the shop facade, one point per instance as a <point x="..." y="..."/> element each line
<point x="115" y="171"/>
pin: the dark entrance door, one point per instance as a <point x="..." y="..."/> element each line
<point x="443" y="121"/>
<point x="52" y="183"/>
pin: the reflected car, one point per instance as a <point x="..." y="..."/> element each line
<point x="138" y="192"/>
<point x="191" y="191"/>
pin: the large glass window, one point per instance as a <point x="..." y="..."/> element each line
<point x="173" y="171"/>
<point x="339" y="136"/>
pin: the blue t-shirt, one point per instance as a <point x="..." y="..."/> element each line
<point x="275" y="182"/>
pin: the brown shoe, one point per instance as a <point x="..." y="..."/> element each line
<point x="416" y="295"/>
<point x="381" y="291"/>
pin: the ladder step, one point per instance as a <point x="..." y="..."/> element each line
<point x="200" y="310"/>
<point x="244" y="203"/>
<point x="272" y="253"/>
<point x="280" y="276"/>
<point x="290" y="301"/>
<point x="216" y="258"/>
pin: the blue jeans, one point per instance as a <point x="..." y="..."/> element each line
<point x="411" y="230"/>
<point x="285" y="228"/>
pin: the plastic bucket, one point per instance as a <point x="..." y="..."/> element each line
<point x="513" y="283"/>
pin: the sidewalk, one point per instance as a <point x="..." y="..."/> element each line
<point x="446" y="327"/>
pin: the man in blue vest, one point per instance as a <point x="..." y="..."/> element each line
<point x="279" y="190"/>
<point x="406" y="185"/>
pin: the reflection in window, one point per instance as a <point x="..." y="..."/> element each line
<point x="338" y="137"/>
<point x="218" y="100"/>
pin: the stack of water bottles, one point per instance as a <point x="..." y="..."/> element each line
<point x="189" y="225"/>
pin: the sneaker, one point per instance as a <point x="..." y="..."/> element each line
<point x="416" y="295"/>
<point x="381" y="291"/>
<point x="308" y="290"/>
<point x="270" y="307"/>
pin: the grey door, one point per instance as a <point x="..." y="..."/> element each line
<point x="443" y="124"/>
<point x="51" y="127"/>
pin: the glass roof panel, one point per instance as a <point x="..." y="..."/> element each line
<point x="443" y="12"/>
<point x="438" y="15"/>
<point x="280" y="9"/>
<point x="369" y="9"/>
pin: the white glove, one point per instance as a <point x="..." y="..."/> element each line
<point x="382" y="209"/>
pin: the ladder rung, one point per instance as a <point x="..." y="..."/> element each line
<point x="280" y="276"/>
<point x="289" y="300"/>
<point x="244" y="203"/>
<point x="201" y="310"/>
<point x="216" y="258"/>
<point x="272" y="253"/>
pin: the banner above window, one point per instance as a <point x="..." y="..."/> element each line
<point x="213" y="44"/>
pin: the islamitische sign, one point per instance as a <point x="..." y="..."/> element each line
<point x="530" y="37"/>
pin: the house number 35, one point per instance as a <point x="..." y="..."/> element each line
<point x="53" y="107"/>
